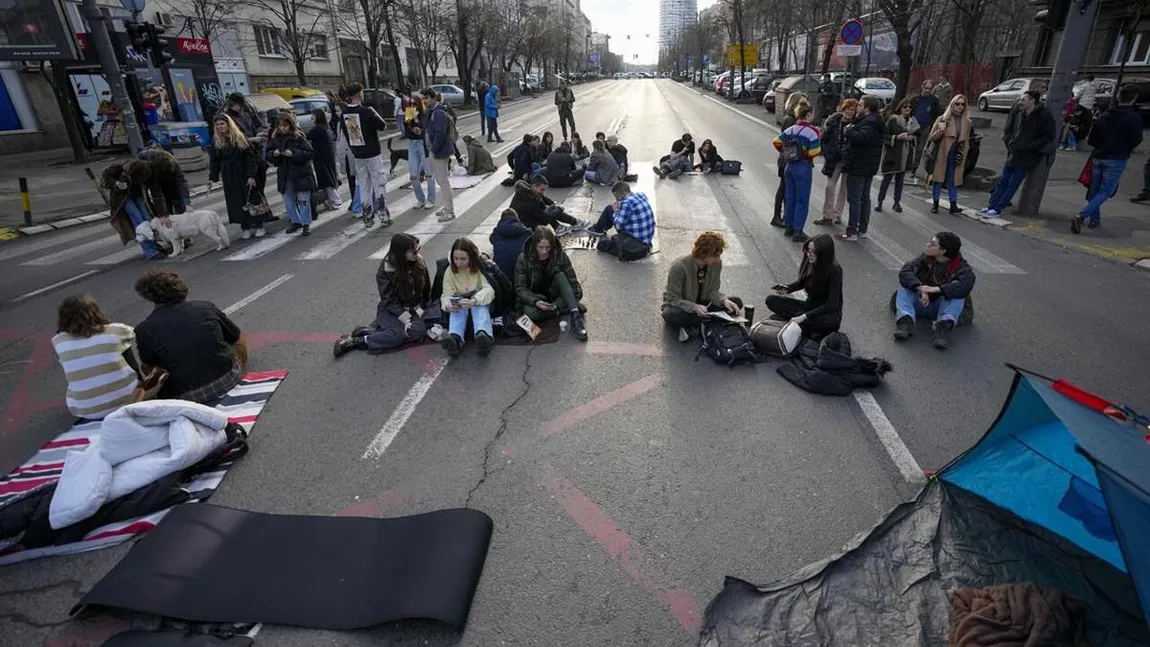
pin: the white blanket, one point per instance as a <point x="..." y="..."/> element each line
<point x="136" y="445"/>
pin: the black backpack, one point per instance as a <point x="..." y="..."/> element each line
<point x="728" y="344"/>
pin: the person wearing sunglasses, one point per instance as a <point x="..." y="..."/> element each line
<point x="951" y="136"/>
<point x="1028" y="148"/>
<point x="936" y="286"/>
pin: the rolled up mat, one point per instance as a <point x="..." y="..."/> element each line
<point x="207" y="563"/>
<point x="173" y="639"/>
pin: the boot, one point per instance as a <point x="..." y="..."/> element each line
<point x="955" y="210"/>
<point x="934" y="207"/>
<point x="578" y="326"/>
<point x="346" y="344"/>
<point x="452" y="344"/>
<point x="788" y="230"/>
<point x="903" y="328"/>
<point x="940" y="334"/>
<point x="897" y="207"/>
<point x="878" y="207"/>
<point x="483" y="343"/>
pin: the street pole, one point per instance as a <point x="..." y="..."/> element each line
<point x="1071" y="51"/>
<point x="102" y="41"/>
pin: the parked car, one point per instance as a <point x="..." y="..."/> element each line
<point x="382" y="100"/>
<point x="1003" y="95"/>
<point x="453" y="94"/>
<point x="303" y="111"/>
<point x="808" y="84"/>
<point x="754" y="88"/>
<point x="287" y="94"/>
<point x="884" y="89"/>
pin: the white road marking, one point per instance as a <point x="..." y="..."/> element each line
<point x="55" y="285"/>
<point x="889" y="437"/>
<point x="734" y="110"/>
<point x="246" y="301"/>
<point x="51" y="240"/>
<point x="403" y="412"/>
<point x="275" y="241"/>
<point x="78" y="250"/>
<point x="351" y="234"/>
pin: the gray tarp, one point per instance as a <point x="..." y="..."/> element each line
<point x="892" y="585"/>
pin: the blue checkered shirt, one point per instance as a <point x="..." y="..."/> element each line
<point x="636" y="218"/>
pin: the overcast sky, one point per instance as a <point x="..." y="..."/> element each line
<point x="634" y="18"/>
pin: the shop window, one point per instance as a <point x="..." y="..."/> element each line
<point x="268" y="40"/>
<point x="319" y="47"/>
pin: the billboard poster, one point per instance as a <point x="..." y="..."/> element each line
<point x="187" y="100"/>
<point x="35" y="30"/>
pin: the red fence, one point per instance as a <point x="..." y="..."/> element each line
<point x="972" y="79"/>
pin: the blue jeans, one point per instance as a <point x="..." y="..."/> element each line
<point x="797" y="202"/>
<point x="297" y="204"/>
<point x="1071" y="140"/>
<point x="480" y="321"/>
<point x="1103" y="184"/>
<point x="1008" y="183"/>
<point x="951" y="189"/>
<point x="940" y="309"/>
<point x="137" y="212"/>
<point x="418" y="162"/>
<point x="858" y="198"/>
<point x="591" y="177"/>
<point x="356" y="202"/>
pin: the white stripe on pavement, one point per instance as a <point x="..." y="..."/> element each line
<point x="246" y="301"/>
<point x="351" y="234"/>
<point x="403" y="412"/>
<point x="646" y="185"/>
<point x="55" y="285"/>
<point x="51" y="240"/>
<point x="275" y="241"/>
<point x="71" y="252"/>
<point x="889" y="437"/>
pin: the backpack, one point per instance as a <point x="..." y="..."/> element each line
<point x="452" y="133"/>
<point x="791" y="152"/>
<point x="728" y="344"/>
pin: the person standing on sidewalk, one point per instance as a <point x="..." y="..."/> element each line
<point x="1087" y="95"/>
<point x="1115" y="135"/>
<point x="491" y="111"/>
<point x="944" y="91"/>
<point x="1144" y="194"/>
<point x="863" y="157"/>
<point x="234" y="164"/>
<point x="951" y="135"/>
<point x="565" y="101"/>
<point x="291" y="152"/>
<point x="439" y="133"/>
<point x="363" y="125"/>
<point x="925" y="109"/>
<point x="1029" y="148"/>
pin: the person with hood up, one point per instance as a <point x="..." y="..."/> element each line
<point x="709" y="159"/>
<point x="507" y="241"/>
<point x="601" y="167"/>
<point x="1029" y="148"/>
<point x="936" y="285"/>
<point x="565" y="101"/>
<point x="561" y="169"/>
<point x="864" y="139"/>
<point x="491" y="110"/>
<point x="834" y="145"/>
<point x="536" y="210"/>
<point x="479" y="161"/>
<point x="545" y="282"/>
<point x="1114" y="137"/>
<point x="951" y="135"/>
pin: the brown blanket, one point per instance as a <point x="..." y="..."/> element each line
<point x="1016" y="615"/>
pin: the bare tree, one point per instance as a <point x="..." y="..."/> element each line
<point x="205" y="18"/>
<point x="466" y="36"/>
<point x="424" y="23"/>
<point x="295" y="28"/>
<point x="369" y="22"/>
<point x="905" y="17"/>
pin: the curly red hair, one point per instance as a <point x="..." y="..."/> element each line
<point x="708" y="245"/>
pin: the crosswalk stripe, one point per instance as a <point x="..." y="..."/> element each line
<point x="352" y="234"/>
<point x="275" y="241"/>
<point x="48" y="242"/>
<point x="71" y="252"/>
<point x="695" y="195"/>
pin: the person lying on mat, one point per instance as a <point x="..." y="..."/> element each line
<point x="95" y="355"/>
<point x="709" y="159"/>
<point x="202" y="349"/>
<point x="535" y="209"/>
<point x="694" y="286"/>
<point x="406" y="311"/>
<point x="936" y="285"/>
<point x="466" y="293"/>
<point x="561" y="169"/>
<point x="822" y="279"/>
<point x="545" y="282"/>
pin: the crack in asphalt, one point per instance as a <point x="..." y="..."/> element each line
<point x="503" y="415"/>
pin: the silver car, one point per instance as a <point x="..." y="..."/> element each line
<point x="1005" y="94"/>
<point x="452" y="94"/>
<point x="303" y="111"/>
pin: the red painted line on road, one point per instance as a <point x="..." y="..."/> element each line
<point x="619" y="545"/>
<point x="574" y="416"/>
<point x="374" y="508"/>
<point x="622" y="348"/>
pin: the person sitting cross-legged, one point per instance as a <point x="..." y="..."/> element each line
<point x="545" y="282"/>
<point x="560" y="168"/>
<point x="822" y="279"/>
<point x="694" y="286"/>
<point x="535" y="209"/>
<point x="466" y="293"/>
<point x="936" y="285"/>
<point x="631" y="215"/>
<point x="602" y="167"/>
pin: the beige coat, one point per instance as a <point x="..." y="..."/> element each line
<point x="943" y="137"/>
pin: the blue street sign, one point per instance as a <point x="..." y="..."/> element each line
<point x="691" y="62"/>
<point x="851" y="32"/>
<point x="706" y="58"/>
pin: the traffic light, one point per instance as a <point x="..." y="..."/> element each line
<point x="138" y="35"/>
<point x="1054" y="15"/>
<point x="158" y="50"/>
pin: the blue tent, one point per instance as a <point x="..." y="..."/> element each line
<point x="1055" y="494"/>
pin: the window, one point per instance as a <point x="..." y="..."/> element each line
<point x="268" y="41"/>
<point x="1139" y="53"/>
<point x="319" y="46"/>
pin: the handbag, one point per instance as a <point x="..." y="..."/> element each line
<point x="1087" y="174"/>
<point x="731" y="167"/>
<point x="776" y="338"/>
<point x="257" y="205"/>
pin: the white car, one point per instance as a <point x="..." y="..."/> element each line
<point x="884" y="89"/>
<point x="453" y="94"/>
<point x="303" y="111"/>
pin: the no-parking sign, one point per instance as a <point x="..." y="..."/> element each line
<point x="851" y="32"/>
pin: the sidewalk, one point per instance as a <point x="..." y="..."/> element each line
<point x="1125" y="232"/>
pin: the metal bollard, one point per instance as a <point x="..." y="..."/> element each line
<point x="25" y="201"/>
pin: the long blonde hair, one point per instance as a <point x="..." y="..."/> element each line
<point x="794" y="99"/>
<point x="949" y="112"/>
<point x="235" y="137"/>
<point x="945" y="123"/>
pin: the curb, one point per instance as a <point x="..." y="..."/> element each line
<point x="67" y="223"/>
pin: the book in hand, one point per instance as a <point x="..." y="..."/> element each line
<point x="529" y="326"/>
<point x="725" y="316"/>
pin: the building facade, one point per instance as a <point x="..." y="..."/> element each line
<point x="675" y="17"/>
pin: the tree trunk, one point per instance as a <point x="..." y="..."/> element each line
<point x="391" y="45"/>
<point x="299" y="73"/>
<point x="905" y="59"/>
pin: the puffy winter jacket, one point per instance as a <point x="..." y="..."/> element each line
<point x="507" y="240"/>
<point x="863" y="154"/>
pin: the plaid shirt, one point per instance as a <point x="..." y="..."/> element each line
<point x="635" y="218"/>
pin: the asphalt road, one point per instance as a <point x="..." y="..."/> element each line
<point x="625" y="480"/>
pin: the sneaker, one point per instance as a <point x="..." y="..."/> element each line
<point x="1076" y="224"/>
<point x="422" y="204"/>
<point x="659" y="172"/>
<point x="903" y="328"/>
<point x="306" y="231"/>
<point x="445" y="217"/>
<point x="435" y="333"/>
<point x="361" y="331"/>
<point x="346" y="344"/>
<point x="674" y="174"/>
<point x="247" y="235"/>
<point x="788" y="230"/>
<point x="863" y="234"/>
<point x="580" y="225"/>
<point x="878" y="207"/>
<point x="838" y="220"/>
<point x="261" y="232"/>
<point x="578" y="326"/>
<point x="452" y="344"/>
<point x="429" y="206"/>
<point x="368" y="220"/>
<point x="988" y="213"/>
<point x="483" y="343"/>
<point x="1092" y="224"/>
<point x="595" y="231"/>
<point x="386" y="222"/>
<point x="293" y="228"/>
<point x="983" y="211"/>
<point x="823" y="221"/>
<point x="799" y="237"/>
<point x="845" y="237"/>
<point x="777" y="222"/>
<point x="940" y="334"/>
<point x="562" y="230"/>
<point x="684" y="336"/>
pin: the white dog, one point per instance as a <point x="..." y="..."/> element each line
<point x="178" y="227"/>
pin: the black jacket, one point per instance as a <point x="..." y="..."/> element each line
<point x="1035" y="133"/>
<point x="507" y="241"/>
<point x="864" y="139"/>
<point x="559" y="167"/>
<point x="298" y="166"/>
<point x="828" y="368"/>
<point x="832" y="139"/>
<point x="955" y="277"/>
<point x="824" y="301"/>
<point x="324" y="163"/>
<point x="1116" y="133"/>
<point x="530" y="205"/>
<point x="520" y="159"/>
